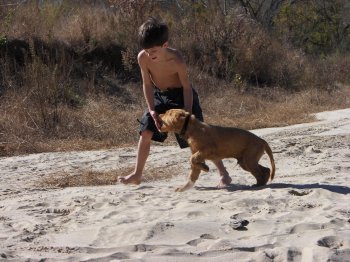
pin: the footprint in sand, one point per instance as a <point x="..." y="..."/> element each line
<point x="300" y="228"/>
<point x="194" y="214"/>
<point x="294" y="255"/>
<point x="98" y="205"/>
<point x="299" y="193"/>
<point x="25" y="207"/>
<point x="312" y="149"/>
<point x="113" y="257"/>
<point x="208" y="236"/>
<point x="158" y="228"/>
<point x="332" y="242"/>
<point x="340" y="255"/>
<point x="111" y="214"/>
<point x="142" y="248"/>
<point x="345" y="213"/>
<point x="336" y="223"/>
<point x="58" y="211"/>
<point x="195" y="242"/>
<point x="201" y="239"/>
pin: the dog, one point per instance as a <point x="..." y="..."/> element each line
<point x="209" y="142"/>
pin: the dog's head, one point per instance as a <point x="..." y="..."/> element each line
<point x="173" y="120"/>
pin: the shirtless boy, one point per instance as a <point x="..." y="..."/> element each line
<point x="165" y="86"/>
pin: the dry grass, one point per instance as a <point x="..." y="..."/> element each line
<point x="274" y="108"/>
<point x="105" y="122"/>
<point x="100" y="123"/>
<point x="88" y="178"/>
<point x="235" y="104"/>
<point x="94" y="178"/>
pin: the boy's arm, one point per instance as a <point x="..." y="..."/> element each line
<point x="148" y="88"/>
<point x="187" y="88"/>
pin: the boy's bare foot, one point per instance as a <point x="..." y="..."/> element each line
<point x="224" y="181"/>
<point x="130" y="179"/>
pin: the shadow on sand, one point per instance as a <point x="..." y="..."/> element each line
<point x="333" y="188"/>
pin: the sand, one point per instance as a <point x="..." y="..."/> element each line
<point x="303" y="215"/>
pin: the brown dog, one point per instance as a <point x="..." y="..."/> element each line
<point x="208" y="142"/>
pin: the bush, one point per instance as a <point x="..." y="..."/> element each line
<point x="226" y="46"/>
<point x="69" y="78"/>
<point x="318" y="27"/>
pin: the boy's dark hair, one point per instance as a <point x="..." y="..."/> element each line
<point x="153" y="33"/>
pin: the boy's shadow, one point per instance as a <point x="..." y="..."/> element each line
<point x="236" y="187"/>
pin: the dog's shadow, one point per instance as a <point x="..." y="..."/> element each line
<point x="344" y="190"/>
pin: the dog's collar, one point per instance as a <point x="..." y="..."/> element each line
<point x="184" y="127"/>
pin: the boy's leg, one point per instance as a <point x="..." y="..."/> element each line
<point x="142" y="155"/>
<point x="225" y="177"/>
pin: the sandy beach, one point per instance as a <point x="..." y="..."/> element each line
<point x="303" y="215"/>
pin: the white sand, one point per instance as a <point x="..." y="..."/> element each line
<point x="303" y="215"/>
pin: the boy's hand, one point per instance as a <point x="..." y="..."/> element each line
<point x="156" y="119"/>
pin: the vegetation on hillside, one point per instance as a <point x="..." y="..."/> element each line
<point x="69" y="77"/>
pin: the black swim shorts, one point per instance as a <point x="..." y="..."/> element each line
<point x="164" y="100"/>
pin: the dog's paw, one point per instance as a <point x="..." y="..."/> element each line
<point x="185" y="187"/>
<point x="179" y="189"/>
<point x="182" y="189"/>
<point x="204" y="167"/>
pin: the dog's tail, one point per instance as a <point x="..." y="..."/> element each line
<point x="269" y="153"/>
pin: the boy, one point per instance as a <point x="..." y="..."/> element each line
<point x="165" y="86"/>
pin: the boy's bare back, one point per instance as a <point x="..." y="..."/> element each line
<point x="162" y="67"/>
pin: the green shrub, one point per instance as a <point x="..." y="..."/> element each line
<point x="318" y="27"/>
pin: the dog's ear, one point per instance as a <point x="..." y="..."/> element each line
<point x="183" y="116"/>
<point x="184" y="113"/>
<point x="188" y="114"/>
